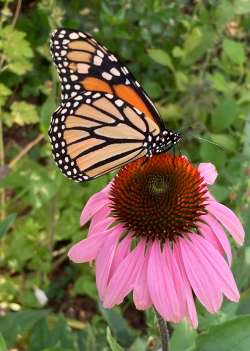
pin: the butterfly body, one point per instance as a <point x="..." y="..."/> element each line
<point x="105" y="120"/>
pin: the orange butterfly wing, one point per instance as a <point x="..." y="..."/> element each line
<point x="85" y="65"/>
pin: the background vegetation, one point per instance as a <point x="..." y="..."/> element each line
<point x="192" y="57"/>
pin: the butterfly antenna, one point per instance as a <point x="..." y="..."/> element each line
<point x="210" y="142"/>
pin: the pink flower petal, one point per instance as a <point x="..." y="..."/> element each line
<point x="87" y="249"/>
<point x="94" y="204"/>
<point x="230" y="221"/>
<point x="100" y="226"/>
<point x="104" y="261"/>
<point x="98" y="217"/>
<point x="208" y="172"/>
<point x="161" y="285"/>
<point x="123" y="280"/>
<point x="141" y="295"/>
<point x="122" y="250"/>
<point x="179" y="300"/>
<point x="200" y="274"/>
<point x="218" y="231"/>
<point x="209" y="235"/>
<point x="224" y="276"/>
<point x="191" y="309"/>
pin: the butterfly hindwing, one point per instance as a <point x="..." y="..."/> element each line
<point x="85" y="65"/>
<point x="95" y="133"/>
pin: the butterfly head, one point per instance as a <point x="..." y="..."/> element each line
<point x="163" y="142"/>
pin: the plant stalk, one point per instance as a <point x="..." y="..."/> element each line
<point x="164" y="332"/>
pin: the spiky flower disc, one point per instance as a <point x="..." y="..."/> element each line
<point x="160" y="197"/>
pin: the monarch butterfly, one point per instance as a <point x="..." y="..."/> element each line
<point x="105" y="120"/>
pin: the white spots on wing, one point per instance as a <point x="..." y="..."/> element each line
<point x="115" y="72"/>
<point x="63" y="52"/>
<point x="76" y="104"/>
<point x="112" y="58"/>
<point x="63" y="111"/>
<point x="83" y="68"/>
<point x="73" y="94"/>
<point x="109" y="96"/>
<point x="73" y="77"/>
<point x="87" y="93"/>
<point x="65" y="41"/>
<point x="79" y="97"/>
<point x="96" y="95"/>
<point x="136" y="83"/>
<point x="85" y="177"/>
<point x="107" y="75"/>
<point x="82" y="35"/>
<point x="88" y="101"/>
<point x="63" y="70"/>
<point x="127" y="82"/>
<point x="119" y="102"/>
<point x="77" y="87"/>
<point x="100" y="53"/>
<point x="97" y="60"/>
<point x="124" y="70"/>
<point x="65" y="63"/>
<point x="67" y="86"/>
<point x="74" y="35"/>
<point x="137" y="111"/>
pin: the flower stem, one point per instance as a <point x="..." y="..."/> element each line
<point x="164" y="332"/>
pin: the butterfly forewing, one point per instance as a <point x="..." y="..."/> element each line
<point x="85" y="65"/>
<point x="95" y="133"/>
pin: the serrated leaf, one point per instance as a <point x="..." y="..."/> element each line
<point x="6" y="224"/>
<point x="161" y="57"/>
<point x="234" y="50"/>
<point x="22" y="113"/>
<point x="16" y="50"/>
<point x="229" y="336"/>
<point x="112" y="342"/>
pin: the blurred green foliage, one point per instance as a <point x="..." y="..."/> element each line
<point x="192" y="57"/>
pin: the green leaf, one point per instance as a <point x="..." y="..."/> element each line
<point x="183" y="337"/>
<point x="229" y="336"/>
<point x="193" y="39"/>
<point x="181" y="80"/>
<point x="3" y="346"/>
<point x="235" y="51"/>
<point x="242" y="7"/>
<point x="4" y="93"/>
<point x="112" y="342"/>
<point x="161" y="57"/>
<point x="219" y="82"/>
<point x="220" y="192"/>
<point x="22" y="113"/>
<point x="6" y="224"/>
<point x="225" y="114"/>
<point x="19" y="323"/>
<point x="16" y="50"/>
<point x="212" y="153"/>
<point x="118" y="325"/>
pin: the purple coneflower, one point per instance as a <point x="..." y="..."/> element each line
<point x="157" y="232"/>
